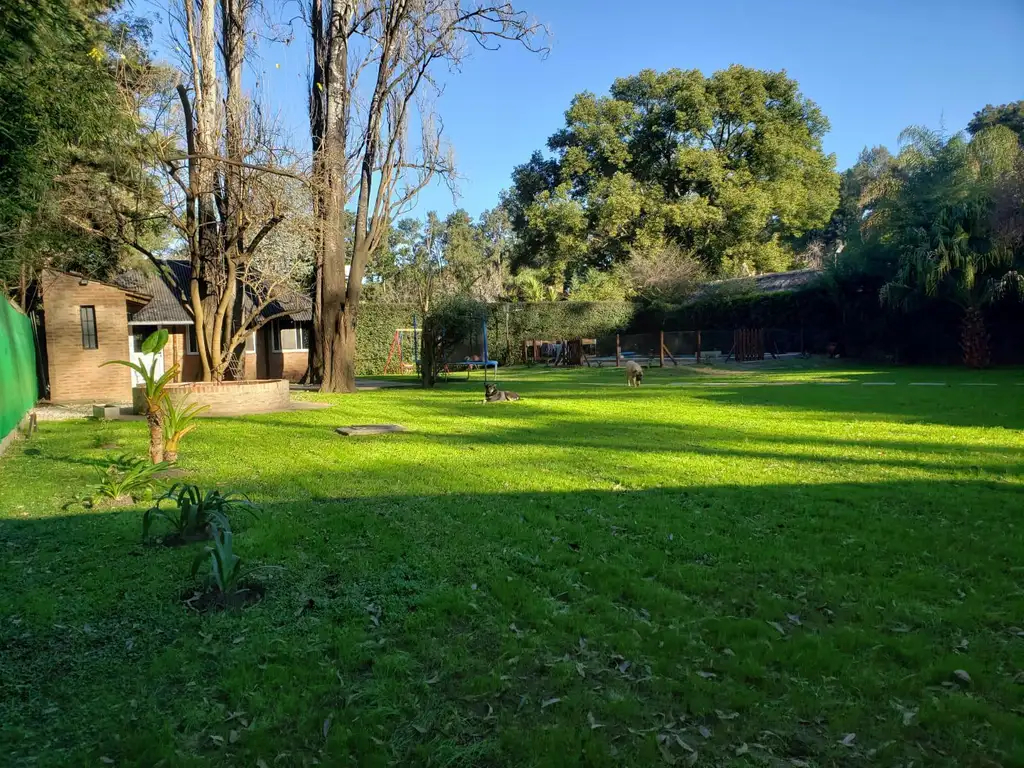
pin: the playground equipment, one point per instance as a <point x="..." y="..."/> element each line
<point x="571" y="352"/>
<point x="396" y="350"/>
<point x="484" y="362"/>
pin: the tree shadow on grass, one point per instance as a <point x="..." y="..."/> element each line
<point x="499" y="628"/>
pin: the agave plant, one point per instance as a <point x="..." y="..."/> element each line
<point x="178" y="421"/>
<point x="156" y="390"/>
<point x="226" y="572"/>
<point x="193" y="513"/>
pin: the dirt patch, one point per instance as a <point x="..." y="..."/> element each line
<point x="215" y="600"/>
<point x="105" y="502"/>
<point x="172" y="472"/>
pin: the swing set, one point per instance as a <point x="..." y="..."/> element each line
<point x="396" y="351"/>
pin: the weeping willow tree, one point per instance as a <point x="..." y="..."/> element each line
<point x="937" y="208"/>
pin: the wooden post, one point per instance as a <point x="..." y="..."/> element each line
<point x="536" y="351"/>
<point x="618" y="352"/>
<point x="661" y="347"/>
<point x="698" y="345"/>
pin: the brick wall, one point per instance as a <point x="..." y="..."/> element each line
<point x="75" y="373"/>
<point x="230" y="398"/>
<point x="286" y="365"/>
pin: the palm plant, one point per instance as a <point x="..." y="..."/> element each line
<point x="178" y="420"/>
<point x="155" y="390"/>
<point x="937" y="212"/>
<point x="194" y="513"/>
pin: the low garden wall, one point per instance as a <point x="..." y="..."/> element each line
<point x="227" y="398"/>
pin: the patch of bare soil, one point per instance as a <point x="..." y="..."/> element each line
<point x="215" y="600"/>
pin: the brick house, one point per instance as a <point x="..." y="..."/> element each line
<point x="87" y="322"/>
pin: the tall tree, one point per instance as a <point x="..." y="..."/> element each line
<point x="729" y="168"/>
<point x="224" y="192"/>
<point x="372" y="77"/>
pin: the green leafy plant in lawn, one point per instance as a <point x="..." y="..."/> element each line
<point x="128" y="478"/>
<point x="178" y="420"/>
<point x="155" y="389"/>
<point x="226" y="572"/>
<point x="194" y="514"/>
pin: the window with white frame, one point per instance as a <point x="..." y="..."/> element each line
<point x="287" y="336"/>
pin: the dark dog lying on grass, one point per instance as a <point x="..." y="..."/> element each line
<point x="494" y="395"/>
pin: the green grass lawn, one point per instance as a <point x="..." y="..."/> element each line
<point x="699" y="571"/>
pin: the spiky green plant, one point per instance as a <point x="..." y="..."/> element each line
<point x="178" y="420"/>
<point x="128" y="477"/>
<point x="194" y="513"/>
<point x="226" y="572"/>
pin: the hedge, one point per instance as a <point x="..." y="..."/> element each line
<point x="846" y="312"/>
<point x="375" y="328"/>
<point x="509" y="325"/>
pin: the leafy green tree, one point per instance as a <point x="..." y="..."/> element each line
<point x="64" y="69"/>
<point x="1011" y="115"/>
<point x="729" y="168"/>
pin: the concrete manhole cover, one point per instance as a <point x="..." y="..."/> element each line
<point x="370" y="429"/>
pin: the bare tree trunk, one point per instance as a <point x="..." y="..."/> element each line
<point x="329" y="108"/>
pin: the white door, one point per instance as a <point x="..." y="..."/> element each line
<point x="138" y="356"/>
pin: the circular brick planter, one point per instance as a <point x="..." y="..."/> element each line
<point x="227" y="398"/>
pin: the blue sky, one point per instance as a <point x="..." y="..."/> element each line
<point x="874" y="67"/>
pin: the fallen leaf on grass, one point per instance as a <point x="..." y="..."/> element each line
<point x="793" y="619"/>
<point x="686" y="747"/>
<point x="778" y="627"/>
<point x="706" y="675"/>
<point x="419" y="728"/>
<point x="106" y="760"/>
<point x="432" y="680"/>
<point x="962" y="676"/>
<point x="848" y="739"/>
<point x="742" y="749"/>
<point x="326" y="727"/>
<point x="232" y="737"/>
<point x="548" y="702"/>
<point x="594" y="725"/>
<point x="704" y="731"/>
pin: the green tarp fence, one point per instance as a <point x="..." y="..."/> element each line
<point x="18" y="387"/>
